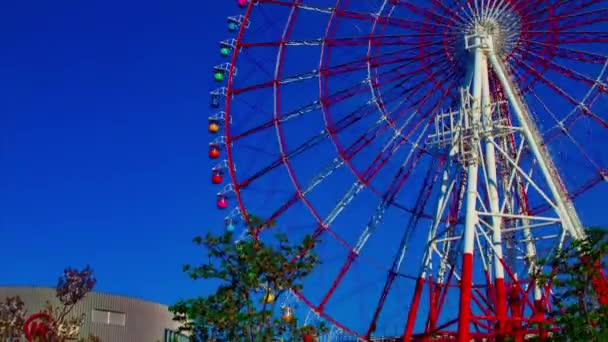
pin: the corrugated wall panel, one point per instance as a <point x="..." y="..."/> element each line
<point x="145" y="321"/>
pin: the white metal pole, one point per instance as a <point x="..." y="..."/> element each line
<point x="565" y="209"/>
<point x="492" y="178"/>
<point x="471" y="218"/>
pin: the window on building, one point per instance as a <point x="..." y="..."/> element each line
<point x="117" y="318"/>
<point x="109" y="317"/>
<point x="99" y="316"/>
<point x="174" y="336"/>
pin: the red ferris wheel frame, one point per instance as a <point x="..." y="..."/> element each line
<point x="529" y="76"/>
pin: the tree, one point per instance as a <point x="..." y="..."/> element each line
<point x="253" y="276"/>
<point x="12" y="318"/>
<point x="578" y="285"/>
<point x="55" y="323"/>
<point x="71" y="288"/>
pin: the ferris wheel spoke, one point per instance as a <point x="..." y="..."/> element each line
<point x="438" y="75"/>
<point x="381" y="97"/>
<point x="342" y="124"/>
<point x="570" y="73"/>
<point x="312" y="107"/>
<point x="425" y="12"/>
<point x="376" y="62"/>
<point x="449" y="11"/>
<point x="352" y="192"/>
<point x="324" y="224"/>
<point x="328" y="100"/>
<point x="345" y="67"/>
<point x="600" y="177"/>
<point x="581" y="37"/>
<point x="363" y="16"/>
<point x="572" y="6"/>
<point x="298" y="4"/>
<point x="529" y="69"/>
<point x="497" y="9"/>
<point x="565" y="131"/>
<point x="536" y="10"/>
<point x="308" y="144"/>
<point x="406" y="92"/>
<point x="572" y="20"/>
<point x="353" y="65"/>
<point x="423" y="197"/>
<point x="508" y="270"/>
<point x="363" y="86"/>
<point x="414" y="25"/>
<point x="381" y="159"/>
<point x="559" y="91"/>
<point x="563" y="126"/>
<point x="367" y="138"/>
<point x="448" y="260"/>
<point x="349" y="120"/>
<point x="568" y="121"/>
<point x="364" y="40"/>
<point x="421" y="70"/>
<point x="364" y="141"/>
<point x="569" y="53"/>
<point x="271" y="83"/>
<point x="396" y="84"/>
<point x="450" y="177"/>
<point x="390" y="194"/>
<point x="534" y="7"/>
<point x="349" y="195"/>
<point x="300" y="194"/>
<point x="566" y="8"/>
<point x="379" y="127"/>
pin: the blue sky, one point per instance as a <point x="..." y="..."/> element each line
<point x="103" y="116"/>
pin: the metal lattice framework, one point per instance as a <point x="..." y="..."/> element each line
<point x="436" y="148"/>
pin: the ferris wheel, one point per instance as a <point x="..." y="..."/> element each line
<point x="436" y="148"/>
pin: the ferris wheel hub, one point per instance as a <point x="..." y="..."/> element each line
<point x="502" y="24"/>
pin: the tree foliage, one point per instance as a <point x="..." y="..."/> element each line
<point x="253" y="277"/>
<point x="12" y="318"/>
<point x="577" y="277"/>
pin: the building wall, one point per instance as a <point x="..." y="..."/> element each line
<point x="112" y="318"/>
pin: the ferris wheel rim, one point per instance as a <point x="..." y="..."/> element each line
<point x="281" y="137"/>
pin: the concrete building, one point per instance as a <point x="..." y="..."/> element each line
<point x="110" y="317"/>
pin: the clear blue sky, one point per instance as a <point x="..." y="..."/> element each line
<point x="103" y="108"/>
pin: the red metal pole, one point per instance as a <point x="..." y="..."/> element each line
<point x="501" y="304"/>
<point x="411" y="317"/>
<point x="465" y="297"/>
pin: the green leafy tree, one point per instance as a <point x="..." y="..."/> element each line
<point x="578" y="274"/>
<point x="253" y="277"/>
